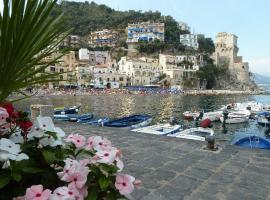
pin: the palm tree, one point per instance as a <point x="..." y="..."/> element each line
<point x="28" y="35"/>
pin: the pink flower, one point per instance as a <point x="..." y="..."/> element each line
<point x="4" y="125"/>
<point x="81" y="192"/>
<point x="74" y="171"/>
<point x="106" y="156"/>
<point x="98" y="143"/>
<point x="36" y="192"/>
<point x="79" y="179"/>
<point x="65" y="193"/>
<point x="119" y="164"/>
<point x="124" y="183"/>
<point x="76" y="139"/>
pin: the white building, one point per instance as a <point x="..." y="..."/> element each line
<point x="102" y="58"/>
<point x="189" y="40"/>
<point x="180" y="67"/>
<point x="183" y="26"/>
<point x="145" y="31"/>
<point x="84" y="54"/>
<point x="141" y="71"/>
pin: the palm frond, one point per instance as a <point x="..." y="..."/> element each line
<point x="28" y="34"/>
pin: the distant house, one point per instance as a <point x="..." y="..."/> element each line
<point x="144" y="32"/>
<point x="190" y="40"/>
<point x="104" y="37"/>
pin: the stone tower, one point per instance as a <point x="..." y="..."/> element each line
<point x="225" y="54"/>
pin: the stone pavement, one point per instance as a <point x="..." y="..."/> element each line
<point x="172" y="168"/>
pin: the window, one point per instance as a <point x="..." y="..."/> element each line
<point x="108" y="79"/>
<point x="62" y="70"/>
<point x="121" y="79"/>
<point x="52" y="69"/>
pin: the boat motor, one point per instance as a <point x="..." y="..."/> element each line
<point x="172" y="121"/>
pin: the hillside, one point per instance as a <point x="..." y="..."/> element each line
<point x="84" y="17"/>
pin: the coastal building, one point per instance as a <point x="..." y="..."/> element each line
<point x="100" y="58"/>
<point x="104" y="37"/>
<point x="144" y="32"/>
<point x="84" y="54"/>
<point x="189" y="40"/>
<point x="72" y="41"/>
<point x="226" y="54"/>
<point x="179" y="68"/>
<point x="108" y="77"/>
<point x="140" y="71"/>
<point x="183" y="26"/>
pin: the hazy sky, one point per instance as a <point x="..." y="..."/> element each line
<point x="248" y="19"/>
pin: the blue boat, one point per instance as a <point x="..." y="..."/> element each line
<point x="97" y="121"/>
<point x="74" y="117"/>
<point x="64" y="111"/>
<point x="251" y="141"/>
<point x="133" y="121"/>
<point x="263" y="118"/>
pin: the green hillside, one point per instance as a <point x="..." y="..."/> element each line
<point x="85" y="17"/>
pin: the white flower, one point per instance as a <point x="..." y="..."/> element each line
<point x="106" y="156"/>
<point x="50" y="141"/>
<point x="17" y="138"/>
<point x="35" y="133"/>
<point x="10" y="151"/>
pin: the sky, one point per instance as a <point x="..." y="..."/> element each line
<point x="248" y="19"/>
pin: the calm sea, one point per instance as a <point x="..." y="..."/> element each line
<point x="161" y="107"/>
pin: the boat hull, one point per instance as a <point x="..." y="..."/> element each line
<point x="253" y="141"/>
<point x="132" y="122"/>
<point x="160" y="129"/>
<point x="198" y="134"/>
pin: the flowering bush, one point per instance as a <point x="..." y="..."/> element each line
<point x="37" y="162"/>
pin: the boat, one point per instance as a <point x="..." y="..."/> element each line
<point x="198" y="133"/>
<point x="188" y="115"/>
<point x="159" y="129"/>
<point x="97" y="121"/>
<point x="263" y="118"/>
<point x="133" y="121"/>
<point x="213" y="116"/>
<point x="235" y="119"/>
<point x="251" y="141"/>
<point x="74" y="117"/>
<point x="66" y="110"/>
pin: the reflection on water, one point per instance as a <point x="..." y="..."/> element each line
<point x="161" y="107"/>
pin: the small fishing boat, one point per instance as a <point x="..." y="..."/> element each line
<point x="133" y="121"/>
<point x="213" y="116"/>
<point x="235" y="119"/>
<point x="159" y="129"/>
<point x="251" y="141"/>
<point x="263" y="118"/>
<point x="188" y="115"/>
<point x="97" y="121"/>
<point x="198" y="133"/>
<point x="74" y="117"/>
<point x="65" y="110"/>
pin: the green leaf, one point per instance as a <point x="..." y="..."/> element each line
<point x="103" y="182"/>
<point x="110" y="169"/>
<point x="92" y="194"/>
<point x="53" y="134"/>
<point x="16" y="175"/>
<point x="4" y="178"/>
<point x="49" y="155"/>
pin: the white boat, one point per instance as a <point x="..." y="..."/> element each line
<point x="191" y="115"/>
<point x="213" y="116"/>
<point x="198" y="133"/>
<point x="252" y="106"/>
<point x="235" y="119"/>
<point x="159" y="129"/>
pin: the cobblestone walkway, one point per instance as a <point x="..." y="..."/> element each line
<point x="172" y="168"/>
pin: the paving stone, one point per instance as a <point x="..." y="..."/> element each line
<point x="177" y="169"/>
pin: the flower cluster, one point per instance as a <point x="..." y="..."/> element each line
<point x="71" y="168"/>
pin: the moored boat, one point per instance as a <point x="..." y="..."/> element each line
<point x="65" y="110"/>
<point x="133" y="121"/>
<point x="74" y="117"/>
<point x="251" y="141"/>
<point x="188" y="115"/>
<point x="263" y="118"/>
<point x="198" y="133"/>
<point x="235" y="119"/>
<point x="213" y="116"/>
<point x="159" y="129"/>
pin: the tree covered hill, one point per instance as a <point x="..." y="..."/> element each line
<point x="84" y="17"/>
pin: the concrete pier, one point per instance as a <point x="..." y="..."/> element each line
<point x="174" y="169"/>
